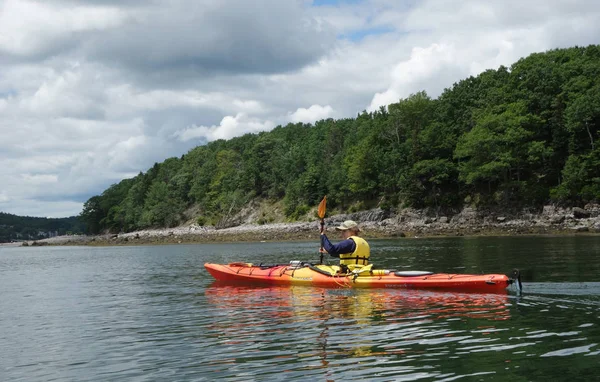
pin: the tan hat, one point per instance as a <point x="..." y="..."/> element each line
<point x="348" y="224"/>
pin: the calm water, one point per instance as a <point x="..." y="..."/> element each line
<point x="153" y="313"/>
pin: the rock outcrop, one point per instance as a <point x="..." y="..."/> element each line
<point x="375" y="223"/>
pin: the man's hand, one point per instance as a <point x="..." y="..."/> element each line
<point x="322" y="250"/>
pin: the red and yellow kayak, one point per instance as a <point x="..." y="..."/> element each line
<point x="298" y="273"/>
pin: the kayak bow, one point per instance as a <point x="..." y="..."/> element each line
<point x="300" y="273"/>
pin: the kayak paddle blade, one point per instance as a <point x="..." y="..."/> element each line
<point x="322" y="207"/>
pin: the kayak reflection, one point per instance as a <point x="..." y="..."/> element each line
<point x="347" y="322"/>
<point x="361" y="305"/>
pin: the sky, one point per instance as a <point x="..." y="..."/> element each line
<point x="95" y="91"/>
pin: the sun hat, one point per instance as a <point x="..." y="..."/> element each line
<point x="348" y="224"/>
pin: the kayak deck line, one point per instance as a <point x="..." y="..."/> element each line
<point x="301" y="273"/>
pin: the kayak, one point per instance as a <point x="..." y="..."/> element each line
<point x="301" y="273"/>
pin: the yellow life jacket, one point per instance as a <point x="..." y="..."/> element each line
<point x="359" y="257"/>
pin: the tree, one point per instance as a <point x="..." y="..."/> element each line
<point x="92" y="214"/>
<point x="494" y="155"/>
<point x="159" y="207"/>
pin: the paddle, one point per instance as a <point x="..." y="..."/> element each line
<point x="321" y="212"/>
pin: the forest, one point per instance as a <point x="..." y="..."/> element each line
<point x="17" y="228"/>
<point x="508" y="138"/>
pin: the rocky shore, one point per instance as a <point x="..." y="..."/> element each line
<point x="375" y="223"/>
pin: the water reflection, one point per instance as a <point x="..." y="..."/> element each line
<point x="364" y="306"/>
<point x="335" y="325"/>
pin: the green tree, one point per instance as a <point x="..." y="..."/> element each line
<point x="159" y="207"/>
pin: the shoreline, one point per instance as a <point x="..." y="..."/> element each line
<point x="374" y="223"/>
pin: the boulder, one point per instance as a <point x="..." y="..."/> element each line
<point x="408" y="215"/>
<point x="580" y="213"/>
<point x="374" y="215"/>
<point x="467" y="215"/>
<point x="593" y="209"/>
<point x="548" y="210"/>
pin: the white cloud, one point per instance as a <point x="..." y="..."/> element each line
<point x="60" y="95"/>
<point x="124" y="98"/>
<point x="455" y="40"/>
<point x="228" y="128"/>
<point x="312" y="114"/>
<point x="411" y="75"/>
<point x="29" y="28"/>
<point x="94" y="91"/>
<point x="39" y="179"/>
<point x="44" y="208"/>
<point x="249" y="106"/>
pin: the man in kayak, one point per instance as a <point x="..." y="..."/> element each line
<point x="353" y="251"/>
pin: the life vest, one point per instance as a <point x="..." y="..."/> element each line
<point x="359" y="257"/>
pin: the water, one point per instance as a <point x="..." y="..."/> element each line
<point x="152" y="313"/>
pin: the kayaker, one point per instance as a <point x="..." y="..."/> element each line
<point x="353" y="251"/>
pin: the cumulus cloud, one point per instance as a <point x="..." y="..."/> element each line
<point x="312" y="114"/>
<point x="225" y="36"/>
<point x="31" y="29"/>
<point x="94" y="91"/>
<point x="453" y="41"/>
<point x="126" y="97"/>
<point x="425" y="69"/>
<point x="60" y="95"/>
<point x="229" y="127"/>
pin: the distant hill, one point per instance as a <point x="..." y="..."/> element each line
<point x="16" y="228"/>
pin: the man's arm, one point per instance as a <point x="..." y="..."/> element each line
<point x="345" y="246"/>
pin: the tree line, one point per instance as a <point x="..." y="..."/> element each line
<point x="16" y="228"/>
<point x="508" y="138"/>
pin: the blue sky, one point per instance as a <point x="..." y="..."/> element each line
<point x="360" y="34"/>
<point x="94" y="92"/>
